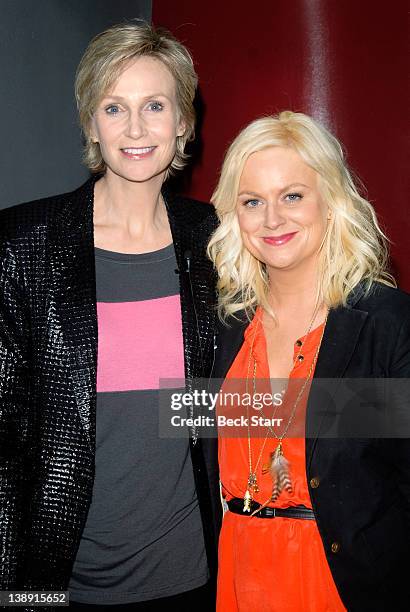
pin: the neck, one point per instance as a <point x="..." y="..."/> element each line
<point x="135" y="208"/>
<point x="294" y="291"/>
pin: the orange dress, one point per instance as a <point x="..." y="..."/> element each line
<point x="279" y="564"/>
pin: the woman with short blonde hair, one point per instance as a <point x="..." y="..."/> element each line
<point x="105" y="59"/>
<point x="119" y="296"/>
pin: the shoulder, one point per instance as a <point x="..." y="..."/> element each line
<point x="236" y="323"/>
<point x="31" y="218"/>
<point x="22" y="219"/>
<point x="386" y="303"/>
<point x="231" y="330"/>
<point x="230" y="336"/>
<point x="388" y="325"/>
<point x="201" y="210"/>
<point x="190" y="212"/>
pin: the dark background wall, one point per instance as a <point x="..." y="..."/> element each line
<point x="344" y="62"/>
<point x="41" y="43"/>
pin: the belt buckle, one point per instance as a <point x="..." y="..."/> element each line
<point x="270" y="512"/>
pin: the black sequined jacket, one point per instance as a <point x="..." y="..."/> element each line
<point x="48" y="356"/>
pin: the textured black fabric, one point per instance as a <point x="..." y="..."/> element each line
<point x="48" y="352"/>
<point x="361" y="497"/>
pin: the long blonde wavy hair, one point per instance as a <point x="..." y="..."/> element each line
<point x="354" y="248"/>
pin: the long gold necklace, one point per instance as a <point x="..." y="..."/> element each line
<point x="279" y="465"/>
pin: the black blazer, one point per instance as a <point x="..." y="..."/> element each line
<point x="48" y="354"/>
<point x="359" y="487"/>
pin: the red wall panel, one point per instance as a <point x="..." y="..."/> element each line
<point x="343" y="62"/>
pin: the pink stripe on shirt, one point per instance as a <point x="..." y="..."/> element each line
<point x="139" y="343"/>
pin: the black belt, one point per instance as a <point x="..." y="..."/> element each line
<point x="235" y="505"/>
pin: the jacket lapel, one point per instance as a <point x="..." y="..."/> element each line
<point x="197" y="294"/>
<point x="73" y="270"/>
<point x="182" y="245"/>
<point x="229" y="341"/>
<point x="190" y="231"/>
<point x="339" y="341"/>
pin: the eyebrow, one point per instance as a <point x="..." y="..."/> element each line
<point x="147" y="97"/>
<point x="250" y="193"/>
<point x="257" y="195"/>
<point x="295" y="185"/>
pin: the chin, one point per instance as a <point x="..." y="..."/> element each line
<point x="280" y="267"/>
<point x="138" y="176"/>
<point x="279" y="264"/>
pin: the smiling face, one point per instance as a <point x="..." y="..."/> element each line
<point x="281" y="214"/>
<point x="136" y="124"/>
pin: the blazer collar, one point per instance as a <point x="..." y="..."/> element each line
<point x="73" y="270"/>
<point x="229" y="341"/>
<point x="195" y="273"/>
<point x="339" y="342"/>
<point x="341" y="334"/>
<point x="75" y="217"/>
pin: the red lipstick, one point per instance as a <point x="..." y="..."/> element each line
<point x="279" y="240"/>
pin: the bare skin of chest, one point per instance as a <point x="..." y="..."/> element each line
<point x="280" y="349"/>
<point x="281" y="338"/>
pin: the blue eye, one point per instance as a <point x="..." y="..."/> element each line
<point x="251" y="203"/>
<point x="293" y="197"/>
<point x="156" y="106"/>
<point x="113" y="109"/>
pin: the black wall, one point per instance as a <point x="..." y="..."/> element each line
<point x="41" y="43"/>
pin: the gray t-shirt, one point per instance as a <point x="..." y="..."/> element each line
<point x="143" y="536"/>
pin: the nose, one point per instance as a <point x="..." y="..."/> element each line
<point x="273" y="216"/>
<point x="135" y="125"/>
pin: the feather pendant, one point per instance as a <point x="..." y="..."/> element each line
<point x="247" y="501"/>
<point x="280" y="473"/>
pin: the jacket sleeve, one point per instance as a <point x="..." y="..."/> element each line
<point x="400" y="447"/>
<point x="14" y="415"/>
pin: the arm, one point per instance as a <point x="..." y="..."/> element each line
<point x="14" y="415"/>
<point x="400" y="447"/>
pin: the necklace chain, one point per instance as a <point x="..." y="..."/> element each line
<point x="277" y="455"/>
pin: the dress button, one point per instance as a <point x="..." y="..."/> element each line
<point x="335" y="547"/>
<point x="300" y="358"/>
<point x="314" y="482"/>
<point x="298" y="342"/>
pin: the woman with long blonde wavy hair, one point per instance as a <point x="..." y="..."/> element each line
<point x="314" y="522"/>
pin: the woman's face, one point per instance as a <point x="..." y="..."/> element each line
<point x="281" y="213"/>
<point x="136" y="124"/>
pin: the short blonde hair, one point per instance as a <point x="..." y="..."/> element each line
<point x="106" y="57"/>
<point x="354" y="248"/>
